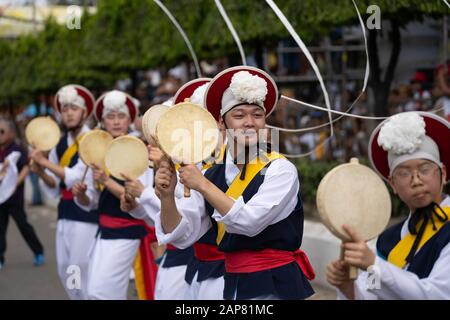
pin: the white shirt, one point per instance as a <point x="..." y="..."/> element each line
<point x="75" y="172"/>
<point x="9" y="180"/>
<point x="274" y="201"/>
<point x="147" y="204"/>
<point x="396" y="283"/>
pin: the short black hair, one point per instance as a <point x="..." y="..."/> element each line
<point x="10" y="124"/>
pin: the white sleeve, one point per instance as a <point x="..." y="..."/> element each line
<point x="9" y="181"/>
<point x="92" y="193"/>
<point x="274" y="201"/>
<point x="52" y="192"/>
<point x="401" y="284"/>
<point x="193" y="225"/>
<point x="148" y="203"/>
<point x="360" y="289"/>
<point x="74" y="174"/>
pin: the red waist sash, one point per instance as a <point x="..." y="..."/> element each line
<point x="116" y="223"/>
<point x="66" y="194"/>
<point x="208" y="252"/>
<point x="247" y="261"/>
<point x="171" y="247"/>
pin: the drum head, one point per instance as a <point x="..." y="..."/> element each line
<point x="127" y="155"/>
<point x="354" y="195"/>
<point x="150" y="120"/>
<point x="187" y="133"/>
<point x="93" y="146"/>
<point x="43" y="133"/>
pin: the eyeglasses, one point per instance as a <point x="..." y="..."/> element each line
<point x="424" y="172"/>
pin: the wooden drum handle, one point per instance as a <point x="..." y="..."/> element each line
<point x="353" y="271"/>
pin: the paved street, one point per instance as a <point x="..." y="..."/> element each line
<point x="19" y="279"/>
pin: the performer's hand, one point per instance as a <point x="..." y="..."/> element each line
<point x="127" y="203"/>
<point x="356" y="251"/>
<point x="165" y="179"/>
<point x="36" y="168"/>
<point x="155" y="155"/>
<point x="134" y="188"/>
<point x="100" y="176"/>
<point x="157" y="250"/>
<point x="192" y="177"/>
<point x="38" y="156"/>
<point x="79" y="189"/>
<point x="338" y="275"/>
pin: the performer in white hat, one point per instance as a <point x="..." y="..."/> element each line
<point x="76" y="227"/>
<point x="119" y="236"/>
<point x="255" y="202"/>
<point x="181" y="275"/>
<point x="411" y="151"/>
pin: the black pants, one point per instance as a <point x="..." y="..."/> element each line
<point x="17" y="212"/>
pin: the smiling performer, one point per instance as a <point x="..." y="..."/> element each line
<point x="119" y="235"/>
<point x="76" y="227"/>
<point x="412" y="151"/>
<point x="253" y="195"/>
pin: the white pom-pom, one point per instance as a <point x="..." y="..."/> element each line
<point x="115" y="101"/>
<point x="248" y="88"/>
<point x="402" y="133"/>
<point x="69" y="95"/>
<point x="199" y="95"/>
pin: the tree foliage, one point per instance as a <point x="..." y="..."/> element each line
<point x="128" y="35"/>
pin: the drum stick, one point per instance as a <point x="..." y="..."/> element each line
<point x="187" y="191"/>
<point x="84" y="174"/>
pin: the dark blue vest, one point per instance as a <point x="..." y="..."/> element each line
<point x="109" y="205"/>
<point x="67" y="209"/>
<point x="206" y="269"/>
<point x="424" y="260"/>
<point x="178" y="257"/>
<point x="285" y="282"/>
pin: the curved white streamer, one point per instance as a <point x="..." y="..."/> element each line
<point x="183" y="34"/>
<point x="307" y="54"/>
<point x="232" y="30"/>
<point x="346" y="113"/>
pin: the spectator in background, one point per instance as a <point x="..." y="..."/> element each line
<point x="442" y="74"/>
<point x="421" y="96"/>
<point x="14" y="206"/>
<point x="166" y="89"/>
<point x="291" y="140"/>
<point x="41" y="107"/>
<point x="405" y="98"/>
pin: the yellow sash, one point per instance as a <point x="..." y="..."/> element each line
<point x="398" y="255"/>
<point x="70" y="153"/>
<point x="238" y="186"/>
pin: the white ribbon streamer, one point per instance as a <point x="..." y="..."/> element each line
<point x="183" y="34"/>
